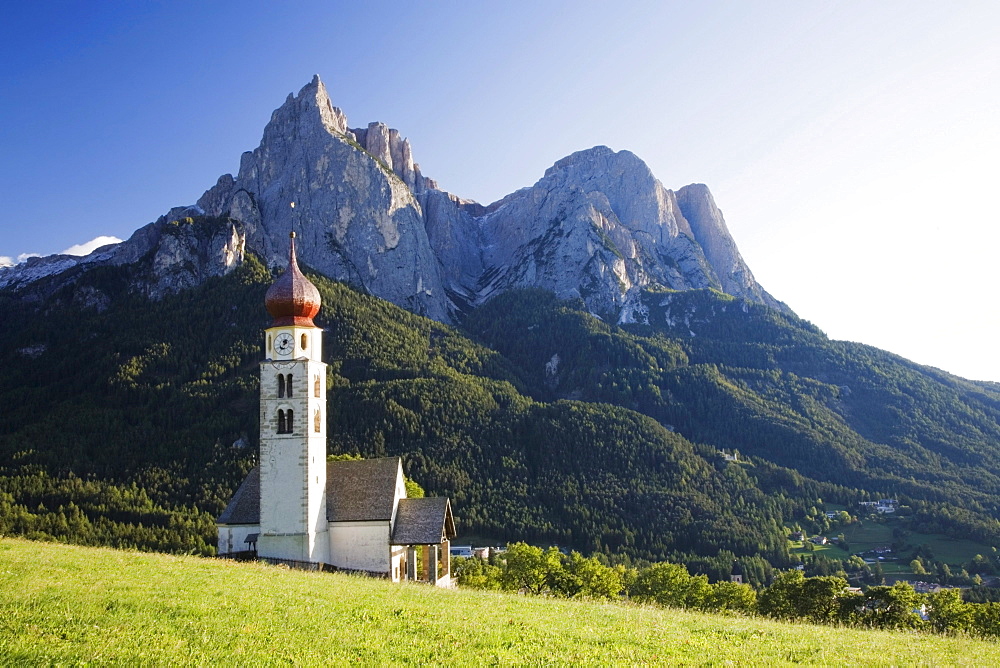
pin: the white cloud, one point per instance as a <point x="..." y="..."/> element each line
<point x="88" y="247"/>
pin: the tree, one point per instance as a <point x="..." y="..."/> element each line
<point x="530" y="568"/>
<point x="780" y="599"/>
<point x="628" y="576"/>
<point x="917" y="566"/>
<point x="475" y="572"/>
<point x="818" y="598"/>
<point x="413" y="489"/>
<point x="892" y="607"/>
<point x="876" y="576"/>
<point x="591" y="579"/>
<point x="986" y="619"/>
<point x="671" y="585"/>
<point x="948" y="612"/>
<point x="980" y="564"/>
<point x="730" y="597"/>
<point x="850" y="606"/>
<point x="855" y="563"/>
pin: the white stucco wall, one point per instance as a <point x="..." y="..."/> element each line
<point x="293" y="465"/>
<point x="232" y="537"/>
<point x="360" y="546"/>
<point x="311" y="547"/>
<point x="397" y="563"/>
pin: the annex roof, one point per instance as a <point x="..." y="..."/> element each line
<point x="423" y="521"/>
<point x="360" y="490"/>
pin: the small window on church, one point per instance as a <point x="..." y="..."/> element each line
<point x="281" y="422"/>
<point x="305" y="340"/>
<point x="288" y="385"/>
<point x="281" y="386"/>
<point x="268" y="343"/>
<point x="316" y="421"/>
<point x="288" y="421"/>
<point x="316" y="386"/>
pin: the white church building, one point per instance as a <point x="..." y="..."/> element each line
<point x="297" y="508"/>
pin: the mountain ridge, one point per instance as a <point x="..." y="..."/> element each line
<point x="596" y="225"/>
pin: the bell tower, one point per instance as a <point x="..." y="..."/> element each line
<point x="293" y="520"/>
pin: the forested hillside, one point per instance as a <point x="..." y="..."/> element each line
<point x="741" y="376"/>
<point x="130" y="422"/>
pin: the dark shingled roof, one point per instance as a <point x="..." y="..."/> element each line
<point x="244" y="507"/>
<point x="423" y="521"/>
<point x="358" y="491"/>
<point x="361" y="490"/>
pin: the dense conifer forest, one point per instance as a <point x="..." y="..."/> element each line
<point x="131" y="422"/>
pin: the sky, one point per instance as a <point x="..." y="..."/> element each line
<point x="854" y="147"/>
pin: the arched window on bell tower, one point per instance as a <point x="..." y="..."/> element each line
<point x="316" y="421"/>
<point x="316" y="386"/>
<point x="285" y="421"/>
<point x="284" y="385"/>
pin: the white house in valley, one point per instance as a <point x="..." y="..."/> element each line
<point x="295" y="507"/>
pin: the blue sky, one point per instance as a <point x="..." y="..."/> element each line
<point x="851" y="145"/>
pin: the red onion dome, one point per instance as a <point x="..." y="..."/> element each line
<point x="292" y="299"/>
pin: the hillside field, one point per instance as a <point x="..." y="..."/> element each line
<point x="68" y="604"/>
<point x="868" y="534"/>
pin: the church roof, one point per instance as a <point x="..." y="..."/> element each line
<point x="363" y="489"/>
<point x="356" y="491"/>
<point x="423" y="521"/>
<point x="292" y="299"/>
<point x="244" y="507"/>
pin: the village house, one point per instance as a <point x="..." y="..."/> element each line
<point x="881" y="506"/>
<point x="297" y="508"/>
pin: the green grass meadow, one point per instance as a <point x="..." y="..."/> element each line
<point x="954" y="551"/>
<point x="62" y="604"/>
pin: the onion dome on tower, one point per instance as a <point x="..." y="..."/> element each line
<point x="292" y="299"/>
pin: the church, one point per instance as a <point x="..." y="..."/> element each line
<point x="297" y="508"/>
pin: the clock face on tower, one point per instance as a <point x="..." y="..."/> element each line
<point x="284" y="343"/>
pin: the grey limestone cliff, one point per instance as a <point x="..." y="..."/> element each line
<point x="356" y="217"/>
<point x="180" y="250"/>
<point x="598" y="225"/>
<point x="710" y="231"/>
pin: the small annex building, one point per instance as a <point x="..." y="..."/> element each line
<point x="296" y="507"/>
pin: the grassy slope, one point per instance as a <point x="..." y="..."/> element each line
<point x="61" y="603"/>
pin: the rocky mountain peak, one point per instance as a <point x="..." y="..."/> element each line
<point x="348" y="195"/>
<point x="305" y="116"/>
<point x="598" y="225"/>
<point x="709" y="229"/>
<point x="637" y="197"/>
